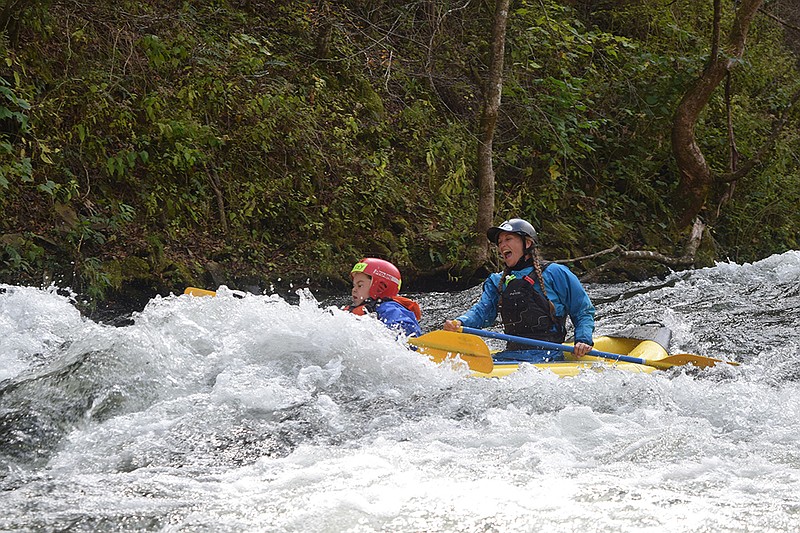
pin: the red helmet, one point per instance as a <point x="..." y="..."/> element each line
<point x="385" y="277"/>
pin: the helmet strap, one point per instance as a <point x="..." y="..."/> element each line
<point x="523" y="262"/>
<point x="370" y="304"/>
<point x="527" y="250"/>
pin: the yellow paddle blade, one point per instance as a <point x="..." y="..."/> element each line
<point x="442" y="345"/>
<point x="697" y="360"/>
<point x="194" y="291"/>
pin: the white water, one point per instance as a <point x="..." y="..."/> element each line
<point x="227" y="414"/>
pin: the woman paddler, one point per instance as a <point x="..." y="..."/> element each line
<point x="533" y="298"/>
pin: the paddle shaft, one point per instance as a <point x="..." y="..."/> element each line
<point x="551" y="345"/>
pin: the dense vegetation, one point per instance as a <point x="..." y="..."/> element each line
<point x="161" y="144"/>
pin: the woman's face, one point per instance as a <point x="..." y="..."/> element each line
<point x="510" y="246"/>
<point x="360" y="292"/>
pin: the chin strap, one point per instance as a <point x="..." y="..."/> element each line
<point x="523" y="262"/>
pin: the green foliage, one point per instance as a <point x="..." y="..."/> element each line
<point x="171" y="134"/>
<point x="15" y="164"/>
<point x="21" y="254"/>
<point x="763" y="219"/>
<point x="589" y="135"/>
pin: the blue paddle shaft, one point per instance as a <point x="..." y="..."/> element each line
<point x="550" y="345"/>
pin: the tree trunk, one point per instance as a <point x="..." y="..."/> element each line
<point x="322" y="47"/>
<point x="491" y="109"/>
<point x="10" y="16"/>
<point x="696" y="178"/>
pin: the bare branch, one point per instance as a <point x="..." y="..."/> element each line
<point x="687" y="259"/>
<point x="213" y="178"/>
<point x="715" y="31"/>
<point x="613" y="249"/>
<point x="779" y="20"/>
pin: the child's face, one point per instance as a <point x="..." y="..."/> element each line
<point x="360" y="292"/>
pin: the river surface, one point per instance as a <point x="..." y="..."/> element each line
<point x="254" y="414"/>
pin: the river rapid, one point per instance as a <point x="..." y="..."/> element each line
<point x="254" y="414"/>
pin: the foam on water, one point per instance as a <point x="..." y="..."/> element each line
<point x="229" y="414"/>
<point x="33" y="324"/>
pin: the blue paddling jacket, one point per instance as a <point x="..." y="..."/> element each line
<point x="564" y="290"/>
<point x="395" y="315"/>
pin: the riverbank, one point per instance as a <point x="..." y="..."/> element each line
<point x="150" y="146"/>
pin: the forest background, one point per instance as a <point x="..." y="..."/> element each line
<point x="150" y="145"/>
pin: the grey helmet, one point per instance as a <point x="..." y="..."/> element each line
<point x="519" y="226"/>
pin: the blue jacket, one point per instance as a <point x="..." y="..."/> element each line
<point x="563" y="289"/>
<point x="395" y="315"/>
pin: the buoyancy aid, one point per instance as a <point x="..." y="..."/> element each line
<point x="409" y="304"/>
<point x="528" y="313"/>
<point x="357" y="310"/>
<point x="371" y="304"/>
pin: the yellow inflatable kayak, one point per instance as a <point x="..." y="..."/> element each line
<point x="571" y="366"/>
<point x="641" y="349"/>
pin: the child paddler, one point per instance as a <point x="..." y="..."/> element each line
<point x="533" y="298"/>
<point x="376" y="284"/>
